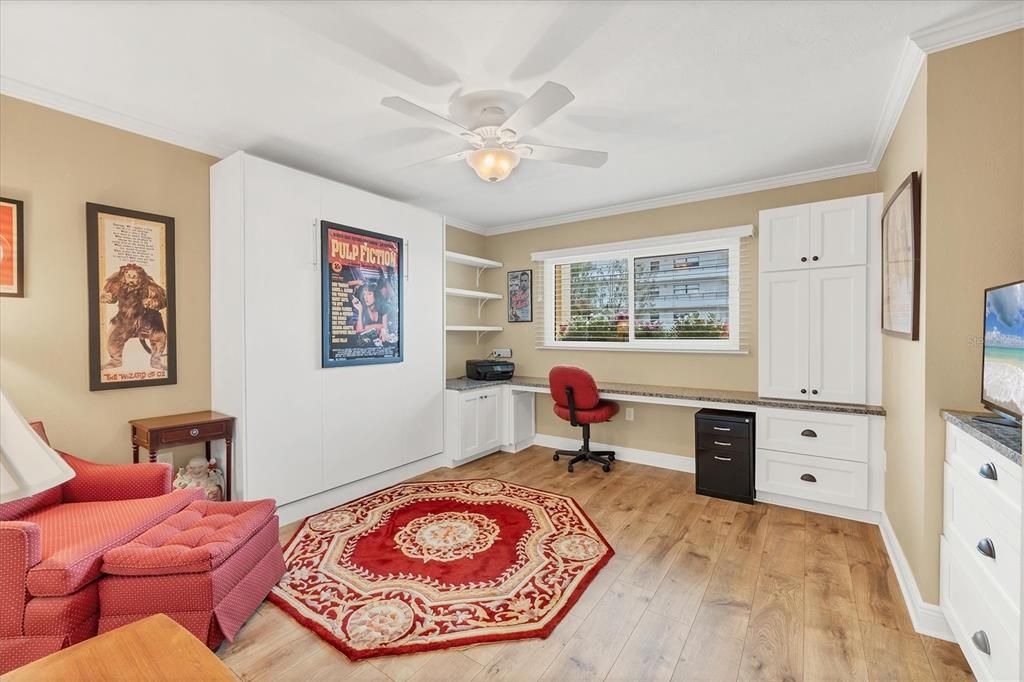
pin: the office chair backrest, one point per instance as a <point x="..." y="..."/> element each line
<point x="584" y="388"/>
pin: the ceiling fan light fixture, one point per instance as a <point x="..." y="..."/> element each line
<point x="493" y="164"/>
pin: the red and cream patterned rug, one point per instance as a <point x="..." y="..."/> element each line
<point x="424" y="566"/>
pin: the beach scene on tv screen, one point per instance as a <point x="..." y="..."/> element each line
<point x="1004" y="348"/>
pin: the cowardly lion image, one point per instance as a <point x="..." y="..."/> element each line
<point x="139" y="301"/>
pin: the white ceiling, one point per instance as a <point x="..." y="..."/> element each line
<point x="685" y="96"/>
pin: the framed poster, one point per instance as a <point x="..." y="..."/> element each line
<point x="520" y="296"/>
<point x="901" y="260"/>
<point x="12" y="247"/>
<point x="361" y="304"/>
<point x="131" y="298"/>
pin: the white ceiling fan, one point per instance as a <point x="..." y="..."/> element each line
<point x="496" y="135"/>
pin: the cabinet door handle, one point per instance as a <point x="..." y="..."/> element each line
<point x="809" y="478"/>
<point x="987" y="547"/>
<point x="814" y="391"/>
<point x="980" y="640"/>
<point x="719" y="428"/>
<point x="803" y="390"/>
<point x="723" y="459"/>
<point x="803" y="259"/>
<point x="724" y="445"/>
<point x="808" y="433"/>
<point x="988" y="470"/>
<point x="815" y="258"/>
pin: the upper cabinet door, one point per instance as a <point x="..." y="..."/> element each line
<point x="839" y="233"/>
<point x="783" y="335"/>
<point x="783" y="236"/>
<point x="838" y="335"/>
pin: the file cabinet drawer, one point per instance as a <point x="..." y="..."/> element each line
<point x="834" y="481"/>
<point x="823" y="434"/>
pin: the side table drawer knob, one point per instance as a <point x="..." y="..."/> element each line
<point x="194" y="432"/>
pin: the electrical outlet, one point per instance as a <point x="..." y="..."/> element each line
<point x="166" y="457"/>
<point x="504" y="353"/>
<point x="629" y="414"/>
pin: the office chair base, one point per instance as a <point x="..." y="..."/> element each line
<point x="602" y="457"/>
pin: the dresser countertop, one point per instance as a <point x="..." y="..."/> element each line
<point x="679" y="393"/>
<point x="1003" y="439"/>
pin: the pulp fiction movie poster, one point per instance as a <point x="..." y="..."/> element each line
<point x="362" y="296"/>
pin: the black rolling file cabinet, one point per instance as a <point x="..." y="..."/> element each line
<point x="725" y="454"/>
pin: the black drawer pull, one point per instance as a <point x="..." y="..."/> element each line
<point x="719" y="428"/>
<point x="724" y="445"/>
<point x="987" y="547"/>
<point x="803" y="259"/>
<point x="988" y="470"/>
<point x="814" y="391"/>
<point x="980" y="640"/>
<point x="809" y="478"/>
<point x="723" y="459"/>
<point x="803" y="390"/>
<point x="808" y="433"/>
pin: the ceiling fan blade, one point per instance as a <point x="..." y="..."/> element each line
<point x="573" y="27"/>
<point x="404" y="106"/>
<point x="569" y="155"/>
<point x="447" y="158"/>
<point x="541" y="105"/>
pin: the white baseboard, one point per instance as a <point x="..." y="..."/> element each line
<point x="662" y="460"/>
<point x="863" y="515"/>
<point x="300" y="509"/>
<point x="928" y="618"/>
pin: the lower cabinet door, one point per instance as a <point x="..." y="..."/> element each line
<point x="822" y="479"/>
<point x="469" y="416"/>
<point x="489" y="420"/>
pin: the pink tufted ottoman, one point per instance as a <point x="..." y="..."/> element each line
<point x="208" y="567"/>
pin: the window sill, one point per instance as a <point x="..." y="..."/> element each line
<point x="627" y="349"/>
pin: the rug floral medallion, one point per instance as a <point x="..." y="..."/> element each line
<point x="423" y="566"/>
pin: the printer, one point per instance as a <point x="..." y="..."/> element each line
<point x="490" y="370"/>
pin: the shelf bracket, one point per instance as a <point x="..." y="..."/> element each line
<point x="478" y="272"/>
<point x="480" y="334"/>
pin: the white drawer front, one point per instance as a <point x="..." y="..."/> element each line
<point x="970" y="610"/>
<point x="985" y="463"/>
<point x="991" y="543"/>
<point x="825" y="434"/>
<point x="812" y="478"/>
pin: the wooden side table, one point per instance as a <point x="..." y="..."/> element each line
<point x="158" y="433"/>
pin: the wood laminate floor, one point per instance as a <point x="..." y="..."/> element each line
<point x="699" y="589"/>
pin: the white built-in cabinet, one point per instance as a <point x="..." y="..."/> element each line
<point x="483" y="420"/>
<point x="813" y="311"/>
<point x="302" y="429"/>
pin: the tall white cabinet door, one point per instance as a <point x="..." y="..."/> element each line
<point x="282" y="331"/>
<point x="783" y="238"/>
<point x="783" y="339"/>
<point x="838" y="335"/>
<point x="838" y="232"/>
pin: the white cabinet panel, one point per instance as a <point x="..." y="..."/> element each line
<point x="783" y="236"/>
<point x="834" y="481"/>
<point x="838" y="232"/>
<point x="489" y="420"/>
<point x="469" y="417"/>
<point x="783" y="339"/>
<point x="282" y="335"/>
<point x="838" y="335"/>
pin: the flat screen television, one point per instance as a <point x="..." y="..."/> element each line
<point x="1002" y="383"/>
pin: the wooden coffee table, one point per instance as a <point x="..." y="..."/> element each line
<point x="154" y="649"/>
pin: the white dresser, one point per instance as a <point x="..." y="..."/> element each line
<point x="981" y="548"/>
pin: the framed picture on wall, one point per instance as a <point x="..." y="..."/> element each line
<point x="12" y="247"/>
<point x="901" y="260"/>
<point x="361" y="306"/>
<point x="520" y="296"/>
<point x="131" y="298"/>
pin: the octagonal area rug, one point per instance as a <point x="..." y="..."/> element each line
<point x="424" y="566"/>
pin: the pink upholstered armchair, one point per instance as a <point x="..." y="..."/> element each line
<point x="52" y="545"/>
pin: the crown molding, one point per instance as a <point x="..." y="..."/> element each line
<point x="1006" y="16"/>
<point x="773" y="182"/>
<point x="93" y="112"/>
<point x="911" y="61"/>
<point x="465" y="225"/>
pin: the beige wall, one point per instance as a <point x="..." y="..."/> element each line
<point x="56" y="163"/>
<point x="658" y="428"/>
<point x="462" y="346"/>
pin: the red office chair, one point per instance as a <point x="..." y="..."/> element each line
<point x="577" y="402"/>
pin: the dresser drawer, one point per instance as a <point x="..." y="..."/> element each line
<point x="834" y="481"/>
<point x="199" y="432"/>
<point x="1000" y="478"/>
<point x="989" y="542"/>
<point x="980" y="620"/>
<point x="824" y="434"/>
<point x="718" y="428"/>
<point x="725" y="474"/>
<point x="707" y="441"/>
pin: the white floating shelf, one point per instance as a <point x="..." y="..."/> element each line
<point x="472" y="293"/>
<point x="472" y="261"/>
<point x="479" y="329"/>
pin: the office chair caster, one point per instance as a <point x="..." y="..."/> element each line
<point x="554" y="457"/>
<point x="570" y="468"/>
<point x="607" y="468"/>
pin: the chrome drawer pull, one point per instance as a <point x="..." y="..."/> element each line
<point x="988" y="470"/>
<point x="809" y="478"/>
<point x="194" y="432"/>
<point x="719" y="428"/>
<point x="980" y="640"/>
<point x="723" y="459"/>
<point x="987" y="547"/>
<point x="726" y="445"/>
<point x="807" y="433"/>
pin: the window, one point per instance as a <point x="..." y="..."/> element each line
<point x="623" y="298"/>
